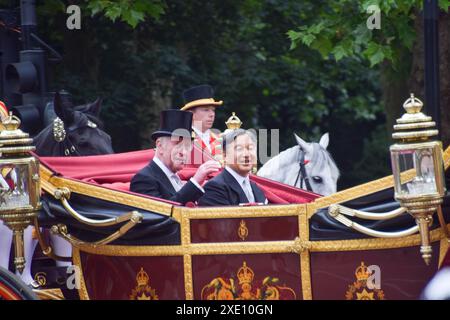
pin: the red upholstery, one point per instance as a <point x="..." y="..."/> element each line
<point x="115" y="171"/>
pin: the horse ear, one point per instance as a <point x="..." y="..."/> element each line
<point x="95" y="107"/>
<point x="325" y="140"/>
<point x="303" y="144"/>
<point x="63" y="108"/>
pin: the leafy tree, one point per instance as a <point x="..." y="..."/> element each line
<point x="241" y="48"/>
<point x="340" y="30"/>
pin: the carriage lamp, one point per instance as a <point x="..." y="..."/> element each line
<point x="418" y="169"/>
<point x="19" y="183"/>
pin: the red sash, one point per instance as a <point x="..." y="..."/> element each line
<point x="200" y="152"/>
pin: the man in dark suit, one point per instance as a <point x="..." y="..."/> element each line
<point x="173" y="145"/>
<point x="233" y="186"/>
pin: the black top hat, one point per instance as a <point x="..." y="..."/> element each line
<point x="202" y="95"/>
<point x="174" y="123"/>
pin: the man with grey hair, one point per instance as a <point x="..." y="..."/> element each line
<point x="173" y="145"/>
<point x="233" y="186"/>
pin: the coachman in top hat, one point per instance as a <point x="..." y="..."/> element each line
<point x="207" y="144"/>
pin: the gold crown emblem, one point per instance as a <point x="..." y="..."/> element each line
<point x="362" y="273"/>
<point x="233" y="122"/>
<point x="142" y="278"/>
<point x="245" y="274"/>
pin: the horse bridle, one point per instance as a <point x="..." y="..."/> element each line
<point x="302" y="176"/>
<point x="60" y="136"/>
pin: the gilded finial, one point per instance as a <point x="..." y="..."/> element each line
<point x="11" y="122"/>
<point x="414" y="125"/>
<point x="413" y="104"/>
<point x="12" y="139"/>
<point x="233" y="122"/>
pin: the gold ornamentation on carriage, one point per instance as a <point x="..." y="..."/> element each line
<point x="143" y="291"/>
<point x="243" y="230"/>
<point x="225" y="289"/>
<point x="359" y="289"/>
<point x="233" y="122"/>
<point x="41" y="278"/>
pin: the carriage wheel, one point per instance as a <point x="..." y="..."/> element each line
<point x="13" y="288"/>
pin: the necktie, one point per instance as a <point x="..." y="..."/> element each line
<point x="248" y="190"/>
<point x="178" y="184"/>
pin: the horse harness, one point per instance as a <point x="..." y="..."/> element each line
<point x="302" y="177"/>
<point x="60" y="136"/>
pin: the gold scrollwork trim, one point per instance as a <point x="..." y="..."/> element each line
<point x="185" y="230"/>
<point x="82" y="291"/>
<point x="133" y="251"/>
<point x="352" y="193"/>
<point x="49" y="294"/>
<point x="259" y="247"/>
<point x="48" y="187"/>
<point x="188" y="284"/>
<point x="241" y="212"/>
<point x="103" y="193"/>
<point x="187" y="258"/>
<point x="239" y="248"/>
<point x="446" y="158"/>
<point x="373" y="244"/>
<point x="305" y="270"/>
<point x="362" y="190"/>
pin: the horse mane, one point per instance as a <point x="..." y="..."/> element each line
<point x="281" y="160"/>
<point x="290" y="156"/>
<point x="45" y="142"/>
<point x="84" y="109"/>
<point x="323" y="157"/>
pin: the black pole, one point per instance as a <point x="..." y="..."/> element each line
<point x="28" y="22"/>
<point x="431" y="47"/>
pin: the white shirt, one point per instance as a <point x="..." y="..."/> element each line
<point x="205" y="136"/>
<point x="244" y="182"/>
<point x="173" y="176"/>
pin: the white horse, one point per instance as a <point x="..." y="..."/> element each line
<point x="320" y="171"/>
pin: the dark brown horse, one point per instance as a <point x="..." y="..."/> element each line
<point x="75" y="132"/>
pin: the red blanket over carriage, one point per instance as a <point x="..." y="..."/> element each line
<point x="115" y="171"/>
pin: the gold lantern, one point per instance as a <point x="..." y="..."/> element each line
<point x="418" y="169"/>
<point x="19" y="183"/>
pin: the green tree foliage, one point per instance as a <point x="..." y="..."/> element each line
<point x="238" y="46"/>
<point x="340" y="30"/>
<point x="131" y="12"/>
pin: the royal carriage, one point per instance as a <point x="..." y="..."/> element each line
<point x="355" y="244"/>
